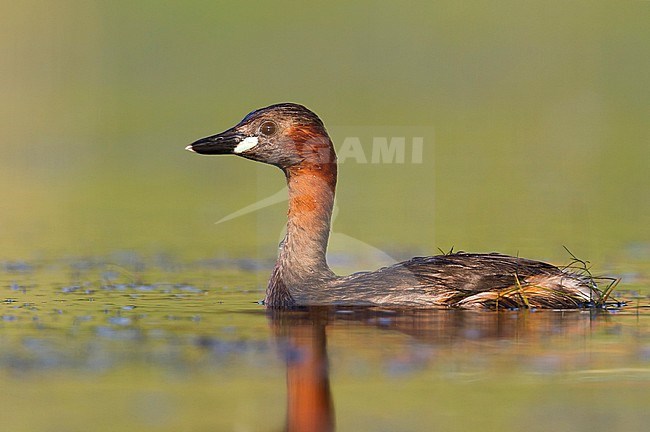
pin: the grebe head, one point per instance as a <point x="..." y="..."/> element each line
<point x="285" y="135"/>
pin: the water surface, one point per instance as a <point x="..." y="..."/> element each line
<point x="163" y="345"/>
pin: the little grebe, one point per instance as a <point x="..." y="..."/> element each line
<point x="294" y="139"/>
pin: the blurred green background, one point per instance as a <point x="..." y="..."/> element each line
<point x="537" y="115"/>
<point x="534" y="118"/>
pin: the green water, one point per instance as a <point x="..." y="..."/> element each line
<point x="127" y="307"/>
<point x="171" y="346"/>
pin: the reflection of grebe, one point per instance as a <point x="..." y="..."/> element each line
<point x="309" y="398"/>
<point x="294" y="139"/>
<point x="443" y="336"/>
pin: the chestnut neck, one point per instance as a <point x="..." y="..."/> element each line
<point x="302" y="254"/>
<point x="302" y="266"/>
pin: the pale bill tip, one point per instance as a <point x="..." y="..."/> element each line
<point x="189" y="148"/>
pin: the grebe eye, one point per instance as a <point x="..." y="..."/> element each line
<point x="268" y="128"/>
